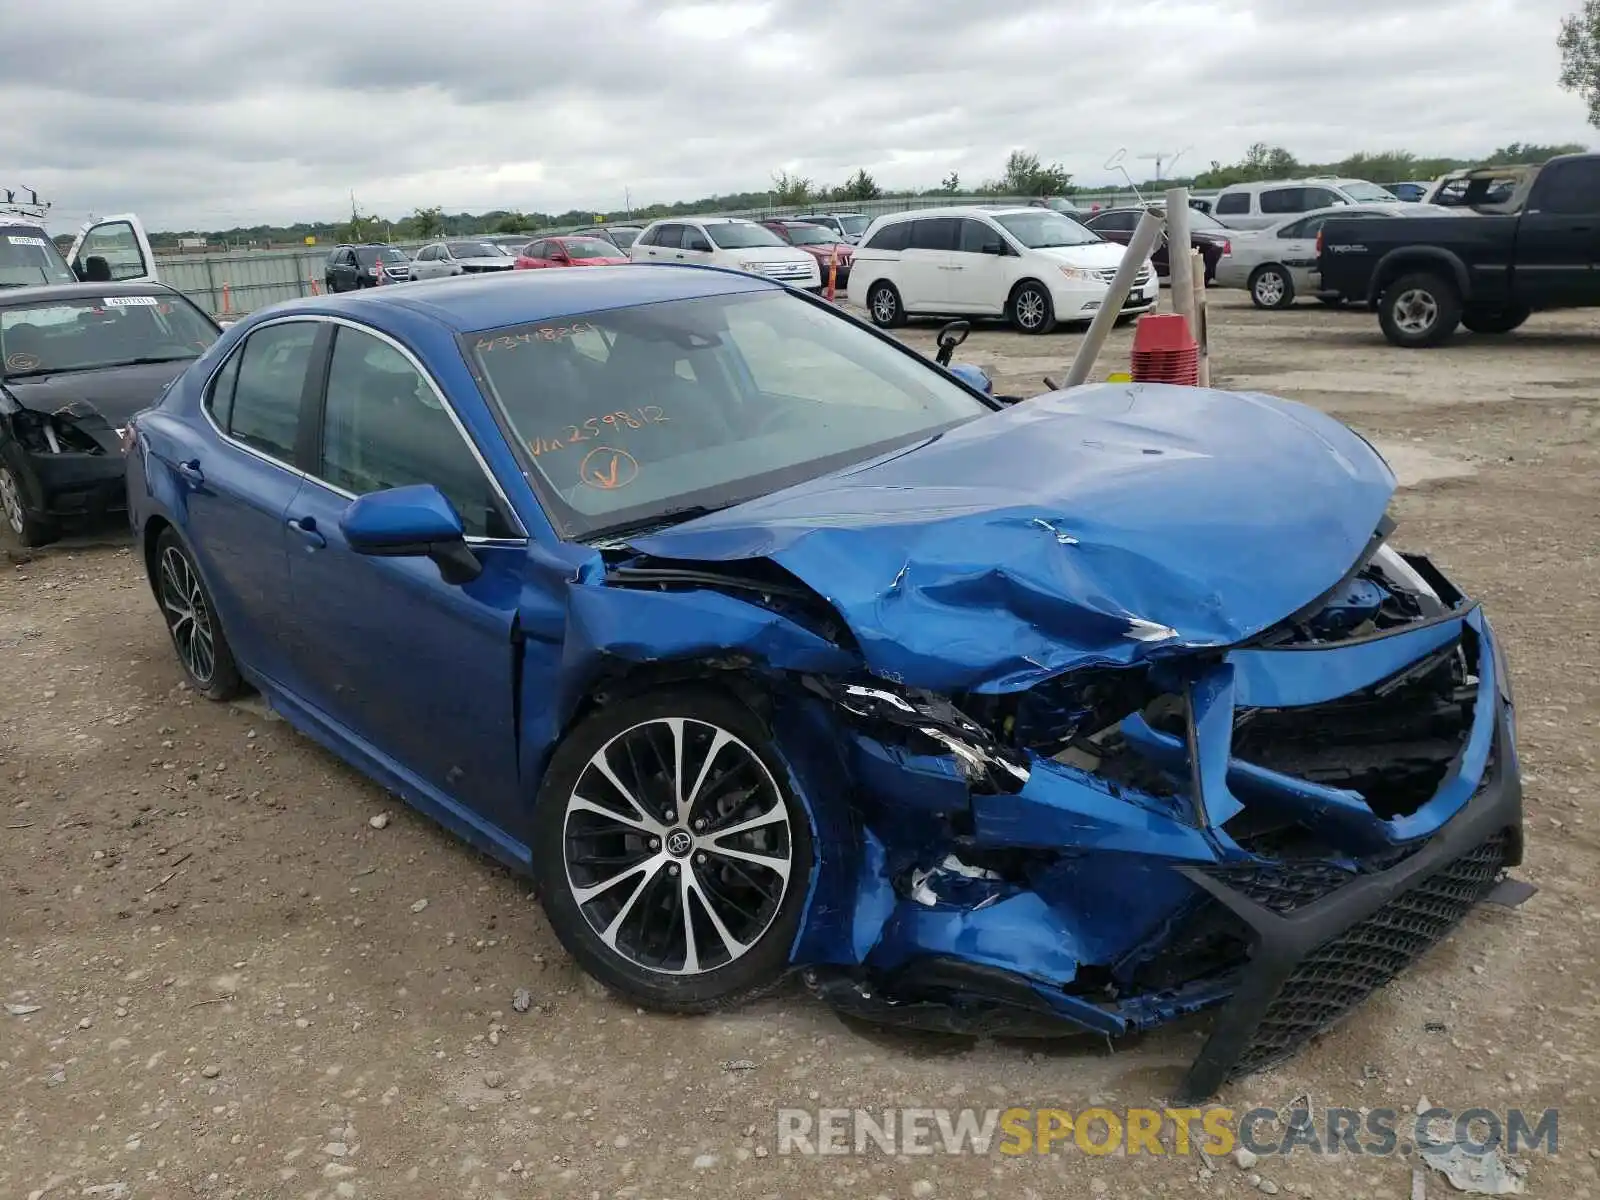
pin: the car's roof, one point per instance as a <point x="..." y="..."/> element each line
<point x="78" y="291"/>
<point x="470" y="303"/>
<point x="967" y="210"/>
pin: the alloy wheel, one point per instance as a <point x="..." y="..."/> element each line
<point x="1030" y="308"/>
<point x="11" y="501"/>
<point x="188" y="616"/>
<point x="1415" y="311"/>
<point x="677" y="846"/>
<point x="1269" y="289"/>
<point x="883" y="306"/>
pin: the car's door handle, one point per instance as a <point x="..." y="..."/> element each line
<point x="191" y="472"/>
<point x="306" y="527"/>
<point x="680" y="256"/>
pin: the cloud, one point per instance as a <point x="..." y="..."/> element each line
<point x="206" y="115"/>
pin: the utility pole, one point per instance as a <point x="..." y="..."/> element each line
<point x="627" y="201"/>
<point x="1159" y="157"/>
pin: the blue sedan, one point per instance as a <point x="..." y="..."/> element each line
<point x="763" y="643"/>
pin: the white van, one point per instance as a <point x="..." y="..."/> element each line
<point x="1259" y="205"/>
<point x="1033" y="266"/>
<point x="112" y="250"/>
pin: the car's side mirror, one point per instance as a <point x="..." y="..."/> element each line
<point x="975" y="376"/>
<point x="951" y="336"/>
<point x="416" y="521"/>
<point x="996" y="248"/>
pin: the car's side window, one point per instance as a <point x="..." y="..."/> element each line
<point x="975" y="235"/>
<point x="934" y="233"/>
<point x="1571" y="188"/>
<point x="385" y="426"/>
<point x="647" y="238"/>
<point x="1233" y="204"/>
<point x="693" y="239"/>
<point x="271" y="379"/>
<point x="891" y="237"/>
<point x="1300" y="229"/>
<point x="219" y="396"/>
<point x="1283" y="200"/>
<point x="669" y="236"/>
<point x="1319" y="198"/>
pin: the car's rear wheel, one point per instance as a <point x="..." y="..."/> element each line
<point x="1271" y="287"/>
<point x="1031" y="310"/>
<point x="197" y="636"/>
<point x="884" y="307"/>
<point x="1419" y="310"/>
<point x="670" y="855"/>
<point x="27" y="526"/>
<point x="1498" y="320"/>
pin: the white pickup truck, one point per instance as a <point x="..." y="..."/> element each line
<point x="110" y="250"/>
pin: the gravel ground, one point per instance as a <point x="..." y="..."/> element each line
<point x="256" y="975"/>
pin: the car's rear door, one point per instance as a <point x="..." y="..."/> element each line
<point x="237" y="478"/>
<point x="928" y="264"/>
<point x="422" y="671"/>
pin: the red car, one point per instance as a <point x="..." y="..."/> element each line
<point x="1206" y="234"/>
<point x="569" y="252"/>
<point x="818" y="241"/>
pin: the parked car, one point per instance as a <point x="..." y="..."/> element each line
<point x="1475" y="186"/>
<point x="1206" y="234"/>
<point x="1412" y="192"/>
<point x="1278" y="265"/>
<point x="111" y="250"/>
<point x="569" y="251"/>
<point x="510" y="243"/>
<point x="77" y="360"/>
<point x="621" y="236"/>
<point x="350" y="268"/>
<point x="460" y="256"/>
<point x="1258" y="205"/>
<point x="848" y="225"/>
<point x="726" y="242"/>
<point x="1058" y="204"/>
<point x="1029" y="265"/>
<point x="763" y="644"/>
<point x="1487" y="267"/>
<point x="822" y="243"/>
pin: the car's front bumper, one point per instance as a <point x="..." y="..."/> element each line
<point x="1080" y="300"/>
<point x="76" y="485"/>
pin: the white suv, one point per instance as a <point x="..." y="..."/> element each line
<point x="726" y="242"/>
<point x="1260" y="205"/>
<point x="1030" y="265"/>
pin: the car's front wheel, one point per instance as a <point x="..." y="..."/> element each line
<point x="192" y="623"/>
<point x="1271" y="287"/>
<point x="670" y="855"/>
<point x="26" y="526"/>
<point x="1031" y="310"/>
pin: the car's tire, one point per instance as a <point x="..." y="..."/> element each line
<point x="1030" y="309"/>
<point x="1271" y="287"/>
<point x="749" y="885"/>
<point x="1499" y="320"/>
<point x="330" y="284"/>
<point x="18" y="519"/>
<point x="884" y="306"/>
<point x="192" y="623"/>
<point x="1420" y="309"/>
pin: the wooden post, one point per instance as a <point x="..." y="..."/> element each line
<point x="1182" y="280"/>
<point x="1197" y="268"/>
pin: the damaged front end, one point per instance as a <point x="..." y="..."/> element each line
<point x="1275" y="828"/>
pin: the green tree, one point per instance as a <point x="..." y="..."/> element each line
<point x="513" y="222"/>
<point x="859" y="186"/>
<point x="1026" y="176"/>
<point x="951" y="184"/>
<point x="1579" y="42"/>
<point x="792" y="190"/>
<point x="427" y="223"/>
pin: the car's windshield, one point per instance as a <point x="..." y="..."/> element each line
<point x="741" y="235"/>
<point x="587" y="247"/>
<point x="1201" y="220"/>
<point x="1040" y="228"/>
<point x="631" y="415"/>
<point x="100" y="331"/>
<point x="28" y="258"/>
<point x="854" y="224"/>
<point x="1358" y="189"/>
<point x="475" y="250"/>
<point x="368" y="255"/>
<point x="811" y="235"/>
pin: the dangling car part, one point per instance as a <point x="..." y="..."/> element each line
<point x="766" y="645"/>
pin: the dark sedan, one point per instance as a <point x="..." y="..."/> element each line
<point x="76" y="361"/>
<point x="1206" y="234"/>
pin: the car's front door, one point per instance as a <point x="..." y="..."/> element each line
<point x="421" y="671"/>
<point x="426" y="265"/>
<point x="237" y="484"/>
<point x="1558" y="236"/>
<point x="697" y="247"/>
<point x="980" y="269"/>
<point x="666" y="244"/>
<point x="122" y="244"/>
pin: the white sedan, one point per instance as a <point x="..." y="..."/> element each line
<point x="460" y="256"/>
<point x="1279" y="264"/>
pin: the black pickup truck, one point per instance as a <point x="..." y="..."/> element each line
<point x="1486" y="267"/>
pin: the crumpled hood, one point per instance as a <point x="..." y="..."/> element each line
<point x="1097" y="525"/>
<point x="115" y="392"/>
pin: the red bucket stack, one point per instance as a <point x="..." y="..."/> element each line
<point x="1164" y="351"/>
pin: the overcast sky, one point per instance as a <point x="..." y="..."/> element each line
<point x="200" y="113"/>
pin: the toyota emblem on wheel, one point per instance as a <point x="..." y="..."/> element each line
<point x="679" y="842"/>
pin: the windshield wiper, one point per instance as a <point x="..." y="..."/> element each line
<point x="660" y="520"/>
<point x="147" y="359"/>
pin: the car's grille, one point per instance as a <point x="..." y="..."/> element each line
<point x="1282" y="887"/>
<point x="1342" y="972"/>
<point x="1110" y="273"/>
<point x="787" y="271"/>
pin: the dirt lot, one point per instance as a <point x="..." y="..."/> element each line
<point x="242" y="994"/>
